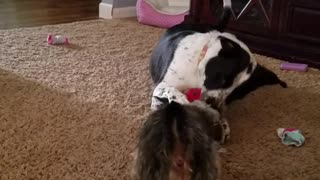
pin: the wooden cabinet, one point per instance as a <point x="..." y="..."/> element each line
<point x="285" y="29"/>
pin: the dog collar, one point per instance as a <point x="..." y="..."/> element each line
<point x="203" y="53"/>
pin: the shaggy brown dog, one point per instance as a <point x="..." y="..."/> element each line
<point x="179" y="142"/>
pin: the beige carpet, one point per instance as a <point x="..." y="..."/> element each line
<point x="73" y="112"/>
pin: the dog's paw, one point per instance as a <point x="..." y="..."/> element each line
<point x="222" y="150"/>
<point x="226" y="130"/>
<point x="200" y="104"/>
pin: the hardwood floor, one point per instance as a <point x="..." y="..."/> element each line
<point x="28" y="13"/>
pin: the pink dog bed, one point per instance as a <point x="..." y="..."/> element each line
<point x="160" y="12"/>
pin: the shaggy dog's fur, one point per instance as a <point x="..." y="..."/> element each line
<point x="179" y="142"/>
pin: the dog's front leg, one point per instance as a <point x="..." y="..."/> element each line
<point x="224" y="121"/>
<point x="164" y="94"/>
<point x="220" y="106"/>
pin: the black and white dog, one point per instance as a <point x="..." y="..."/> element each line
<point x="199" y="56"/>
<point x="203" y="56"/>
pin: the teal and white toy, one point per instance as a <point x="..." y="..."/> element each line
<point x="291" y="136"/>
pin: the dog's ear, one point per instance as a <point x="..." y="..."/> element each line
<point x="227" y="44"/>
<point x="229" y="48"/>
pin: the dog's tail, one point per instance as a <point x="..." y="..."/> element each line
<point x="226" y="15"/>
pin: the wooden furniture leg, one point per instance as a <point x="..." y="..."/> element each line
<point x="200" y="12"/>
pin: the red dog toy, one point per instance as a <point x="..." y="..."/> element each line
<point x="193" y="94"/>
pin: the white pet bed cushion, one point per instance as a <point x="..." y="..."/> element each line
<point x="162" y="13"/>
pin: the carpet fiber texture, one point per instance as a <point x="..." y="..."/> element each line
<point x="73" y="112"/>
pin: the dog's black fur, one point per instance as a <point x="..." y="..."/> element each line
<point x="261" y="76"/>
<point x="179" y="141"/>
<point x="222" y="69"/>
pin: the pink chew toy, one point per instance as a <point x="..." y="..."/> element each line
<point x="57" y="40"/>
<point x="294" y="66"/>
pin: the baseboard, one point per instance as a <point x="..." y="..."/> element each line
<point x="124" y="12"/>
<point x="107" y="11"/>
